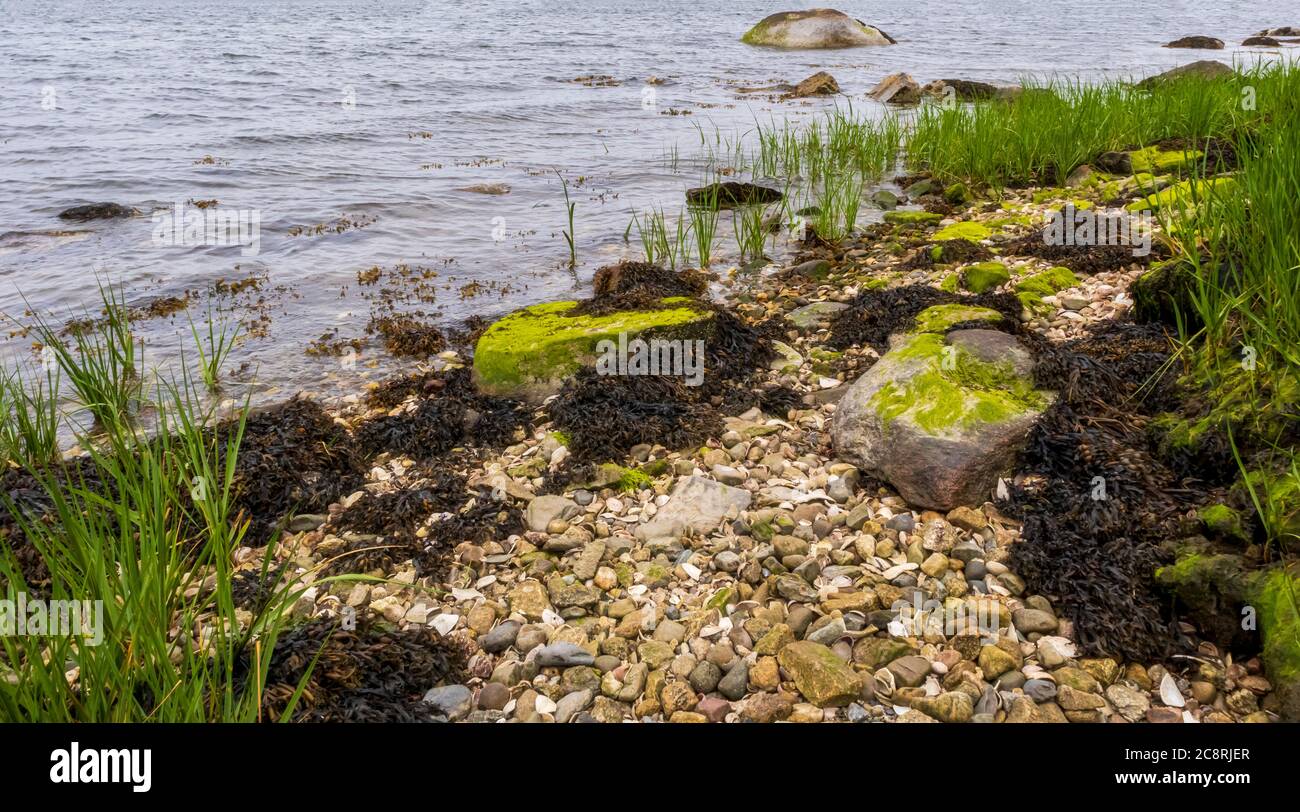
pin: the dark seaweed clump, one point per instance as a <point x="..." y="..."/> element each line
<point x="1099" y="501"/>
<point x="20" y="492"/>
<point x="253" y="589"/>
<point x="368" y="674"/>
<point x="292" y="458"/>
<point x="637" y="286"/>
<point x="397" y="516"/>
<point x="950" y="251"/>
<point x="1083" y="259"/>
<point x="875" y="315"/>
<point x="605" y="415"/>
<point x="453" y="415"/>
<point x="406" y="335"/>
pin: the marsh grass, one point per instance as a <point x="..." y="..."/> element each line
<point x="750" y="230"/>
<point x="143" y="527"/>
<point x="213" y="347"/>
<point x="704" y="223"/>
<point x="29" y="416"/>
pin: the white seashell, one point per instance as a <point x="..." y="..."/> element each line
<point x="932" y="687"/>
<point x="897" y="628"/>
<point x="897" y="570"/>
<point x="466" y="594"/>
<point x="551" y="618"/>
<point x="692" y="571"/>
<point x="444" y="623"/>
<point x="883" y="682"/>
<point x="938" y="667"/>
<point x="486" y="580"/>
<point x="1169" y="693"/>
<point x="637" y="590"/>
<point x="712" y="630"/>
<point x="1189" y="719"/>
<point x="899" y="710"/>
<point x="510" y="706"/>
<point x="998" y="589"/>
<point x="544" y="703"/>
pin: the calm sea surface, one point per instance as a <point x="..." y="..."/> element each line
<point x="365" y="120"/>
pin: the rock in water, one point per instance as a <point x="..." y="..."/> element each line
<point x="815" y="28"/>
<point x="962" y="89"/>
<point x="896" y="88"/>
<point x="1201" y="43"/>
<point x="696" y="503"/>
<point x="819" y="84"/>
<point x="941" y="417"/>
<point x="824" y="679"/>
<point x="730" y="194"/>
<point x="530" y="353"/>
<point x="98" y="211"/>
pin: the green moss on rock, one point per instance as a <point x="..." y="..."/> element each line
<point x="1183" y="194"/>
<point x="1159" y="161"/>
<point x="964" y="231"/>
<point x="985" y="276"/>
<point x="530" y="352"/>
<point x="1033" y="288"/>
<point x="908" y="218"/>
<point x="941" y="318"/>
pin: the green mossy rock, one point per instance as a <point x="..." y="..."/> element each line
<point x="1031" y="289"/>
<point x="1183" y="195"/>
<point x="964" y="231"/>
<point x="985" y="276"/>
<point x="941" y="417"/>
<point x="815" y="28"/>
<point x="824" y="679"/>
<point x="942" y="318"/>
<point x="1159" y="161"/>
<point x="1164" y="292"/>
<point x="908" y="218"/>
<point x="528" y="354"/>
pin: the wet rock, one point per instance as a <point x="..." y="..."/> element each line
<point x="961" y="89"/>
<point x="1198" y="42"/>
<point x="815" y="315"/>
<point x="819" y="84"/>
<point x="98" y="211"/>
<point x="896" y="88"/>
<point x="1205" y="68"/>
<point x="816" y="28"/>
<point x="732" y="194"/>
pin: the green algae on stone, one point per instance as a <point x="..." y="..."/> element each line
<point x="1031" y="289"/>
<point x="950" y="282"/>
<point x="985" y="276"/>
<point x="942" y="318"/>
<point x="964" y="231"/>
<point x="1183" y="194"/>
<point x="1223" y="521"/>
<point x="957" y="194"/>
<point x="530" y="352"/>
<point x="1159" y="161"/>
<point x="954" y="388"/>
<point x="911" y="217"/>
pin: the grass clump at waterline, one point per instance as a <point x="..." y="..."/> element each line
<point x="144" y="533"/>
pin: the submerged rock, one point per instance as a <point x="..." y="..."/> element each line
<point x="530" y="353"/>
<point x="963" y="89"/>
<point x="1267" y="42"/>
<point x="1199" y="42"/>
<point x="941" y="417"/>
<point x="98" y="211"/>
<point x="731" y="194"/>
<point x="815" y="28"/>
<point x="819" y="84"/>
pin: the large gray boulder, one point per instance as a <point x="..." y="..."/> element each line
<point x="814" y="28"/>
<point x="941" y="417"/>
<point x="697" y="504"/>
<point x="1203" y="68"/>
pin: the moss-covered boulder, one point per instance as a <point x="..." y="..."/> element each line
<point x="1157" y="161"/>
<point x="941" y="417"/>
<point x="964" y="231"/>
<point x="823" y="678"/>
<point x="985" y="276"/>
<point x="1183" y="195"/>
<point x="1164" y="293"/>
<point x="1032" y="289"/>
<point x="911" y="218"/>
<point x="814" y="28"/>
<point x="1237" y="606"/>
<point x="528" y="354"/>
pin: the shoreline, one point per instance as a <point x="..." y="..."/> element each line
<point x="771" y="609"/>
